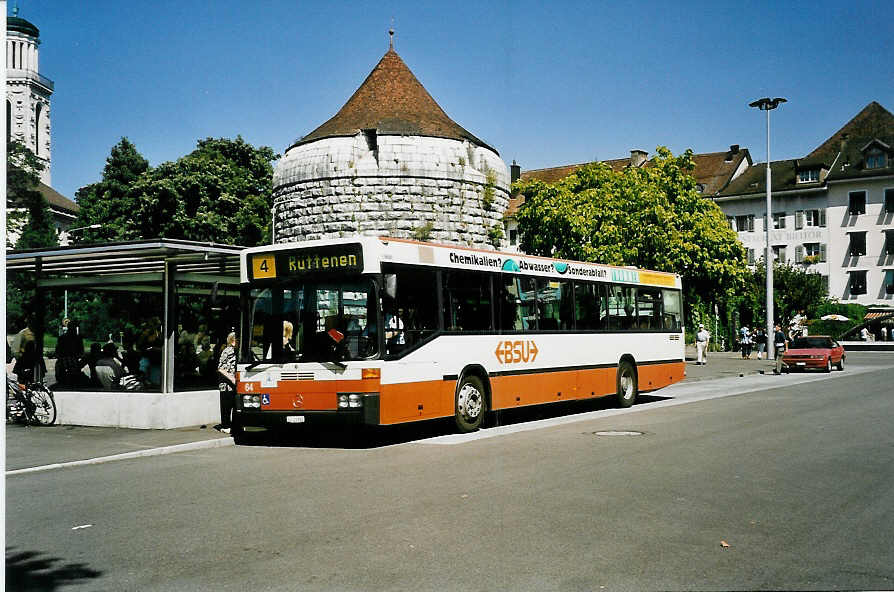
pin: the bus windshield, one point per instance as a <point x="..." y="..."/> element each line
<point x="314" y="322"/>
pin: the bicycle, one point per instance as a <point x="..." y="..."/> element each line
<point x="31" y="403"/>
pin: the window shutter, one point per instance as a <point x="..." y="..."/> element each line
<point x="799" y="254"/>
<point x="823" y="217"/>
<point x="750" y="256"/>
<point x="799" y="219"/>
<point x="782" y="258"/>
<point x="781" y="219"/>
<point x="751" y="223"/>
<point x="731" y="222"/>
<point x="823" y="252"/>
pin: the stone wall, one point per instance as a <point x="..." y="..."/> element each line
<point x="403" y="186"/>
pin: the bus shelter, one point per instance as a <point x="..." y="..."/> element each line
<point x="166" y="304"/>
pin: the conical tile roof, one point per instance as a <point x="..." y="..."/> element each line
<point x="393" y="102"/>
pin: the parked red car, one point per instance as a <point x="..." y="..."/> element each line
<point x="815" y="351"/>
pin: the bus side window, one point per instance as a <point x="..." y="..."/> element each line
<point x="648" y="305"/>
<point x="467" y="299"/>
<point x="528" y="306"/>
<point x="590" y="306"/>
<point x="672" y="310"/>
<point x="621" y="307"/>
<point x="412" y="315"/>
<point x="549" y="304"/>
<point x="509" y="311"/>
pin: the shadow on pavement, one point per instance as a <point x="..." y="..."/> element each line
<point x="365" y="437"/>
<point x="33" y="570"/>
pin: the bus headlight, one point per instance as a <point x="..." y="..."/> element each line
<point x="251" y="401"/>
<point x="350" y="400"/>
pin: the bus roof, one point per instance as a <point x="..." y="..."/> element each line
<point x="330" y="253"/>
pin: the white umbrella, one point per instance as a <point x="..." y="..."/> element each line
<point x="834" y="317"/>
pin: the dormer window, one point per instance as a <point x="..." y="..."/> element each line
<point x="808" y="176"/>
<point x="876" y="160"/>
<point x="875" y="154"/>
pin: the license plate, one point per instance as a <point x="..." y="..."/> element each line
<point x="294" y="419"/>
<point x="801" y="363"/>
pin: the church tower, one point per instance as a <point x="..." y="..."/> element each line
<point x="28" y="92"/>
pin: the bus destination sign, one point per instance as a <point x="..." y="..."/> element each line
<point x="327" y="259"/>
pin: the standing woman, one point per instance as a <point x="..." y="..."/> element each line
<point x="226" y="367"/>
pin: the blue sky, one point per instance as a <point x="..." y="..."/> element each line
<point x="546" y="84"/>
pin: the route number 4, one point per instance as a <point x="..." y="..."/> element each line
<point x="263" y="266"/>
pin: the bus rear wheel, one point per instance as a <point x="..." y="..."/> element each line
<point x="471" y="404"/>
<point x="627" y="384"/>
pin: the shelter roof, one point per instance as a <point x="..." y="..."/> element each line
<point x="392" y="101"/>
<point x="126" y="258"/>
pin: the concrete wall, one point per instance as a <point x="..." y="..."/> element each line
<point x="138" y="410"/>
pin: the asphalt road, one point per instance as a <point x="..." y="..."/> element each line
<point x="796" y="478"/>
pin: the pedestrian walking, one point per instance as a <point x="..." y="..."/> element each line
<point x="701" y="345"/>
<point x="745" y="340"/>
<point x="226" y="367"/>
<point x="761" y="341"/>
<point x="779" y="343"/>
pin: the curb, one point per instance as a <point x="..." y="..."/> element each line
<point x="189" y="446"/>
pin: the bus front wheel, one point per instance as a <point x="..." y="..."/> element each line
<point x="471" y="404"/>
<point x="627" y="384"/>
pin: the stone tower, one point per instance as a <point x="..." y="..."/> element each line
<point x="391" y="162"/>
<point x="28" y="93"/>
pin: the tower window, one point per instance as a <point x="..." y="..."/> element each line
<point x="38" y="109"/>
<point x="372" y="143"/>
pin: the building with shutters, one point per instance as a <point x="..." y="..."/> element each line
<point x="832" y="211"/>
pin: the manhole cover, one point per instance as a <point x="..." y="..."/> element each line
<point x="618" y="433"/>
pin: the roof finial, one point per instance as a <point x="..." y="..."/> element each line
<point x="15" y="9"/>
<point x="391" y="36"/>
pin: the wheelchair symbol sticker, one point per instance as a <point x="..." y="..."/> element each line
<point x="265" y="399"/>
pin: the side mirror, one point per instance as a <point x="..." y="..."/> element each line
<point x="391" y="285"/>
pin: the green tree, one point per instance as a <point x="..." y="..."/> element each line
<point x="650" y="217"/>
<point x="30" y="216"/>
<point x="795" y="290"/>
<point x="220" y="192"/>
<point x="108" y="202"/>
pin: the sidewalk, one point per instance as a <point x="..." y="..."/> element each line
<point x="28" y="447"/>
<point x="34" y="446"/>
<point x="723" y="364"/>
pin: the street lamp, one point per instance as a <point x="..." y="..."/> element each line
<point x="767" y="104"/>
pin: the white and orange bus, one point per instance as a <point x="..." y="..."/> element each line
<point x="382" y="331"/>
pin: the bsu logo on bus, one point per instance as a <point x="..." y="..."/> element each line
<point x="512" y="352"/>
